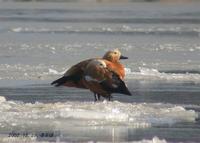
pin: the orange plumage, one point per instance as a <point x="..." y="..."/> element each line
<point x="74" y="76"/>
<point x="101" y="80"/>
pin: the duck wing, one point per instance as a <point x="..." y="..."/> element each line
<point x="114" y="84"/>
<point x="73" y="76"/>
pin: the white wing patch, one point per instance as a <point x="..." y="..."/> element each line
<point x="89" y="78"/>
<point x="114" y="85"/>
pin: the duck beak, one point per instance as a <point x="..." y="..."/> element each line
<point x="123" y="57"/>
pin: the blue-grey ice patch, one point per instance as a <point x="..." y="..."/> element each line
<point x="154" y="74"/>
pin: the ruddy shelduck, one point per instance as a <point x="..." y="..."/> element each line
<point x="74" y="76"/>
<point x="102" y="80"/>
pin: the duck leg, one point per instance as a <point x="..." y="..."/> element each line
<point x="109" y="98"/>
<point x="98" y="97"/>
<point x="95" y="97"/>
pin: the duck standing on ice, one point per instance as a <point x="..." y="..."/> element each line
<point x="101" y="80"/>
<point x="74" y="76"/>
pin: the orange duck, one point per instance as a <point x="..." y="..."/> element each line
<point x="102" y="80"/>
<point x="74" y="76"/>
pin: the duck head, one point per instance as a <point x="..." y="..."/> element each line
<point x="114" y="56"/>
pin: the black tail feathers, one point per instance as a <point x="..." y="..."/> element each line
<point x="64" y="79"/>
<point x="60" y="81"/>
<point x="123" y="89"/>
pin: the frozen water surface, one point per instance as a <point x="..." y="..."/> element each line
<point x="40" y="41"/>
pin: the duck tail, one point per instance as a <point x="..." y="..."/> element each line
<point x="61" y="81"/>
<point x="123" y="89"/>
